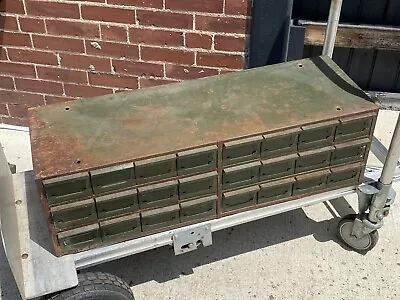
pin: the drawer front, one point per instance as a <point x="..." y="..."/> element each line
<point x="78" y="239"/>
<point x="159" y="194"/>
<point x="197" y="160"/>
<point x="351" y="129"/>
<point x="67" y="188"/>
<point x="112" y="178"/>
<point x="199" y="208"/>
<point x="345" y="176"/>
<point x="159" y="218"/>
<point x="275" y="168"/>
<point x="317" y="135"/>
<point x="77" y="214"/>
<point x="240" y="175"/>
<point x="310" y="183"/>
<point x="121" y="228"/>
<point x="279" y="143"/>
<point x="275" y="190"/>
<point x="311" y="160"/>
<point x="155" y="169"/>
<point x="200" y="185"/>
<point x="117" y="204"/>
<point x="241" y="151"/>
<point x="239" y="199"/>
<point x="350" y="152"/>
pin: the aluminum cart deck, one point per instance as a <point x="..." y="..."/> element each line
<point x="28" y="247"/>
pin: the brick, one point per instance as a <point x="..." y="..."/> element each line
<point x="12" y="6"/>
<point x="8" y="23"/>
<point x="108" y="14"/>
<point x="137" y="68"/>
<point x="39" y="86"/>
<point x="63" y="75"/>
<point x="58" y="43"/>
<point x="138" y="3"/>
<point x="53" y="9"/>
<point x="211" y="6"/>
<point x="79" y="29"/>
<point x="3" y="54"/>
<point x="6" y="82"/>
<point x="197" y="40"/>
<point x="84" y="91"/>
<point x="83" y="62"/>
<point x="32" y="25"/>
<point x="186" y="72"/>
<point x="149" y="82"/>
<point x="114" y="33"/>
<point x="238" y="7"/>
<point x="15" y="39"/>
<point x="17" y="69"/>
<point x="32" y="56"/>
<point x="3" y="110"/>
<point x="18" y="110"/>
<point x="164" y="19"/>
<point x="110" y="49"/>
<point x="220" y="60"/>
<point x="155" y="37"/>
<point x="229" y="43"/>
<point x="113" y="80"/>
<point x="56" y="99"/>
<point x="20" y="98"/>
<point x="15" y="121"/>
<point x="222" y="24"/>
<point x="169" y="55"/>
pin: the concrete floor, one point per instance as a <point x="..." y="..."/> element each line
<point x="295" y="255"/>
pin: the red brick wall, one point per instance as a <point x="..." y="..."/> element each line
<point x="58" y="50"/>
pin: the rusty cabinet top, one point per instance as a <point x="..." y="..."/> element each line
<point x="89" y="133"/>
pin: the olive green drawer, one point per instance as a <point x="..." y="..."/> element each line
<point x="197" y="160"/>
<point x="278" y="167"/>
<point x="120" y="228"/>
<point x="355" y="127"/>
<point x="240" y="175"/>
<point x="161" y="194"/>
<point x="155" y="168"/>
<point x="240" y="198"/>
<point x="112" y="178"/>
<point x="313" y="159"/>
<point x="199" y="208"/>
<point x="280" y="143"/>
<point x="345" y="175"/>
<point x="199" y="185"/>
<point x="79" y="238"/>
<point x="66" y="188"/>
<point x="350" y="151"/>
<point x="310" y="183"/>
<point x="160" y="217"/>
<point x="74" y="214"/>
<point x="117" y="203"/>
<point x="275" y="190"/>
<point x="317" y="135"/>
<point x="241" y="150"/>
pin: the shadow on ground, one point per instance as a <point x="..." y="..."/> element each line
<point x="162" y="265"/>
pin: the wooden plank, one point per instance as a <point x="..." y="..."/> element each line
<point x="355" y="36"/>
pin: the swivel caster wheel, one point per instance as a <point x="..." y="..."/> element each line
<point x="97" y="286"/>
<point x="362" y="245"/>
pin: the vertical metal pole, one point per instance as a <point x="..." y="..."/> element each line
<point x="385" y="182"/>
<point x="332" y="26"/>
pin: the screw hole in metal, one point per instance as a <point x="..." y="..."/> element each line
<point x="18" y="202"/>
<point x="78" y="161"/>
<point x="67" y="108"/>
<point x="338" y="108"/>
<point x="24" y="256"/>
<point x="300" y="65"/>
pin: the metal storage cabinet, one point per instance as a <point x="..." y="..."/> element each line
<point x="121" y="166"/>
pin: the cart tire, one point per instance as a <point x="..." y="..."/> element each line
<point x="362" y="245"/>
<point x="97" y="286"/>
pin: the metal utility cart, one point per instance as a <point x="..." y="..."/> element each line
<point x="28" y="245"/>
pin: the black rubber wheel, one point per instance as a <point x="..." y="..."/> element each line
<point x="364" y="244"/>
<point x="97" y="286"/>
